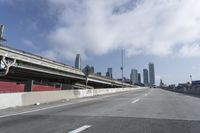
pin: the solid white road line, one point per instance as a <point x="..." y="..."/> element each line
<point x="61" y="105"/>
<point x="80" y="129"/>
<point x="136" y="100"/>
<point x="35" y="110"/>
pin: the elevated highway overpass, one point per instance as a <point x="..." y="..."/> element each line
<point x="21" y="66"/>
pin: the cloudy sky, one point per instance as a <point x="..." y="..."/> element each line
<point x="166" y="32"/>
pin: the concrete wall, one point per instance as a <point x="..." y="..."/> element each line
<point x="30" y="98"/>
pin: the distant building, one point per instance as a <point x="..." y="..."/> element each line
<point x="183" y="86"/>
<point x="125" y="80"/>
<point x="98" y="73"/>
<point x="92" y="70"/>
<point x="161" y="83"/>
<point x="88" y="70"/>
<point x="145" y="77"/>
<point x="151" y="74"/>
<point x="197" y="82"/>
<point x="134" y="76"/>
<point x="78" y="61"/>
<point x="139" y="78"/>
<point x="109" y="73"/>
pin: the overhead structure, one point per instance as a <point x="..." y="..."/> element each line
<point x="20" y="66"/>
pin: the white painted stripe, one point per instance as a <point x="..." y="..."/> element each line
<point x="56" y="106"/>
<point x="80" y="129"/>
<point x="35" y="110"/>
<point x="145" y="95"/>
<point x="135" y="101"/>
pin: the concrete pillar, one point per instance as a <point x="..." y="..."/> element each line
<point x="28" y="86"/>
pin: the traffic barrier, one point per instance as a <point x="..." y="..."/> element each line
<point x="30" y="98"/>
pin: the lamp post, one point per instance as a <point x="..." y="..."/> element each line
<point x="122" y="67"/>
<point x="1" y="33"/>
<point x="86" y="72"/>
<point x="191" y="78"/>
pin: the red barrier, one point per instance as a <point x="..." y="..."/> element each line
<point x="11" y="87"/>
<point x="6" y="87"/>
<point x="44" y="88"/>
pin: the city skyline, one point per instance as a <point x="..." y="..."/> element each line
<point x="148" y="75"/>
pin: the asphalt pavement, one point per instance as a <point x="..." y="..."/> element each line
<point x="150" y="110"/>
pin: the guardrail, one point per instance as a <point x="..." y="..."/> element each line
<point x="30" y="98"/>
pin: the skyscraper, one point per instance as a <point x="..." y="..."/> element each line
<point x="145" y="77"/>
<point x="92" y="70"/>
<point x="109" y="73"/>
<point x="134" y="76"/>
<point x="139" y="78"/>
<point x="151" y="74"/>
<point x="78" y="61"/>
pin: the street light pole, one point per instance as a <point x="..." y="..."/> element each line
<point x="191" y="78"/>
<point x="1" y="34"/>
<point x="86" y="76"/>
<point x="86" y="81"/>
<point x="122" y="67"/>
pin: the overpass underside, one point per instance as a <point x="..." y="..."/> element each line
<point x="25" y="76"/>
<point x="67" y="81"/>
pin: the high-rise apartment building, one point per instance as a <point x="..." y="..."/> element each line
<point x="134" y="76"/>
<point x="145" y="77"/>
<point x="151" y="74"/>
<point x="78" y="61"/>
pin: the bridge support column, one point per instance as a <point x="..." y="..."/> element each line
<point x="28" y="86"/>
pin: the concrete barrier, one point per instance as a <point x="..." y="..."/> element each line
<point x="30" y="98"/>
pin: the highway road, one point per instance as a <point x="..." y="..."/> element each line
<point x="142" y="111"/>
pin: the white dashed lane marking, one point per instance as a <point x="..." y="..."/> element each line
<point x="80" y="129"/>
<point x="136" y="100"/>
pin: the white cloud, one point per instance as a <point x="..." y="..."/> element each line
<point x="28" y="43"/>
<point x="151" y="27"/>
<point x="190" y="50"/>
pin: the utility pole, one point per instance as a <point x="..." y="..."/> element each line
<point x="86" y="72"/>
<point x="122" y="67"/>
<point x="1" y="33"/>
